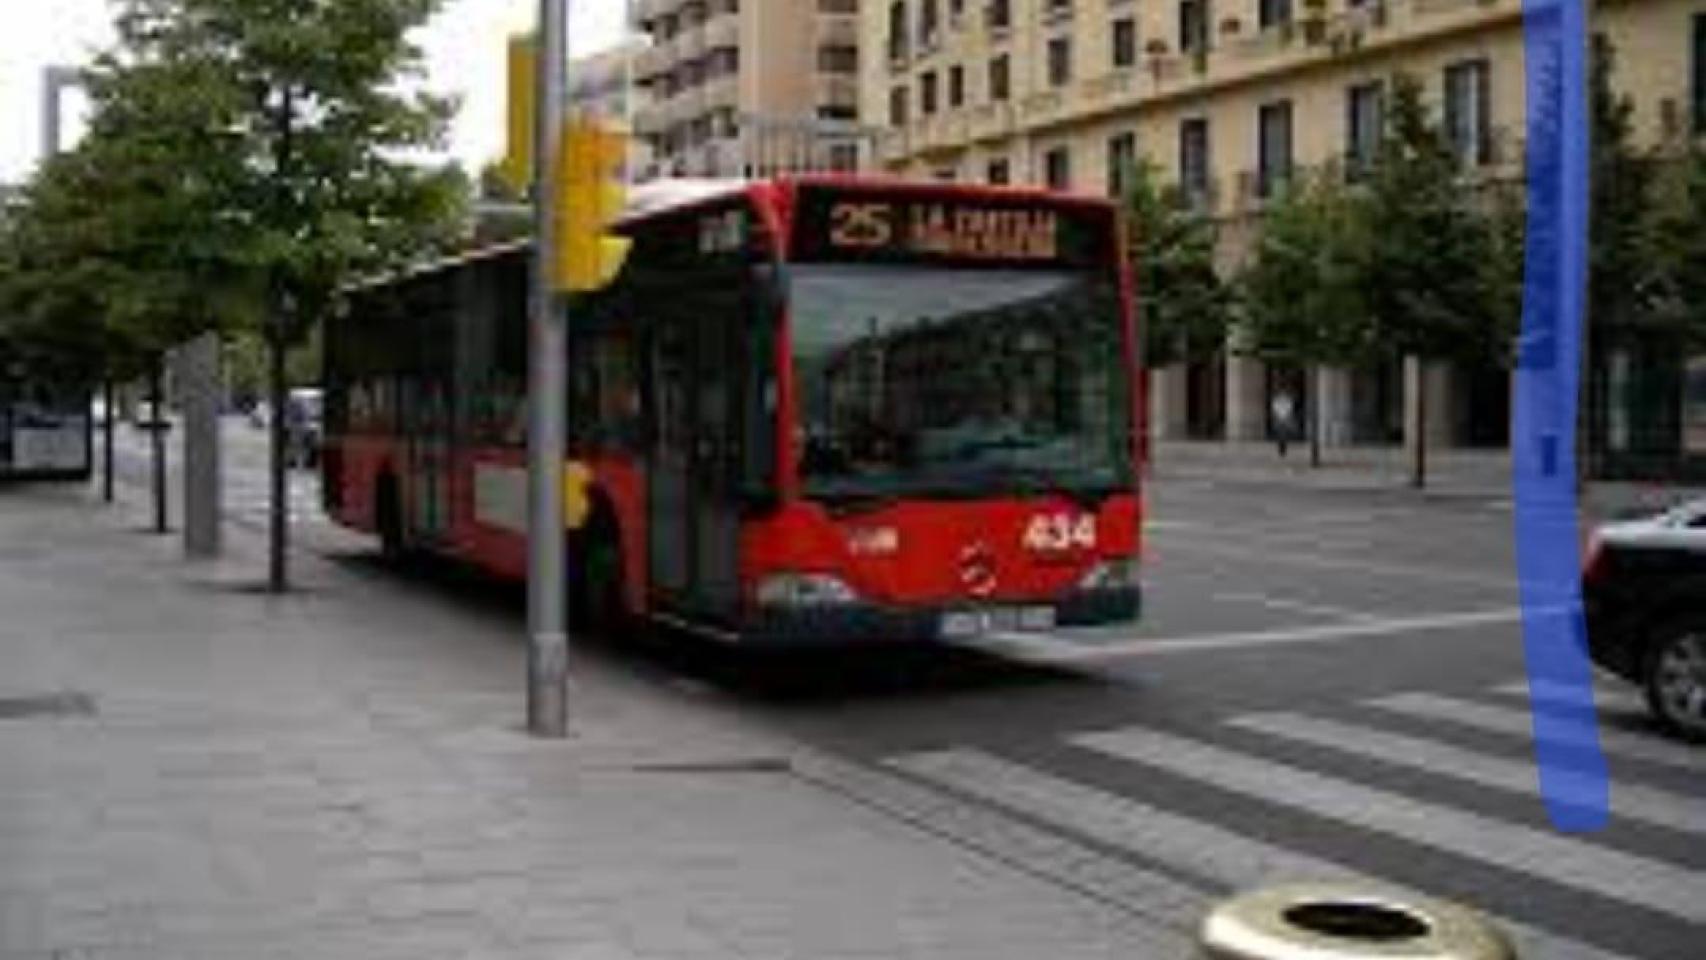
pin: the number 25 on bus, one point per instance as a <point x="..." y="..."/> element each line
<point x="811" y="410"/>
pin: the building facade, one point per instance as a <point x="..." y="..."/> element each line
<point x="1224" y="98"/>
<point x="744" y="87"/>
<point x="602" y="85"/>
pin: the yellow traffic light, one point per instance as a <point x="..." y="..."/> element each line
<point x="517" y="165"/>
<point x="589" y="198"/>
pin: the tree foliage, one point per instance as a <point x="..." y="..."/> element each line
<point x="1427" y="255"/>
<point x="1303" y="292"/>
<point x="1183" y="306"/>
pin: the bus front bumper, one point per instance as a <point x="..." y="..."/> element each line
<point x="863" y="623"/>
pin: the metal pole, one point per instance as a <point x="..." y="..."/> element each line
<point x="547" y="600"/>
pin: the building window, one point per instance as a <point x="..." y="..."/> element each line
<point x="897" y="107"/>
<point x="1000" y="14"/>
<point x="1700" y="73"/>
<point x="956" y="86"/>
<point x="1059" y="61"/>
<point x="838" y="59"/>
<point x="1000" y="78"/>
<point x="927" y="92"/>
<point x="998" y="172"/>
<point x="1193" y="160"/>
<point x="1122" y="160"/>
<point x="1467" y="123"/>
<point x="1057" y="169"/>
<point x="927" y="24"/>
<point x="1273" y="13"/>
<point x="1124" y="42"/>
<point x="1364" y="125"/>
<point x="897" y="30"/>
<point x="1273" y="146"/>
<point x="1193" y="26"/>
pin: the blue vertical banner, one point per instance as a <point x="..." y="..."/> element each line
<point x="1574" y="782"/>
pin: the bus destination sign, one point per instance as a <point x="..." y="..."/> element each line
<point x="945" y="230"/>
<point x="860" y="225"/>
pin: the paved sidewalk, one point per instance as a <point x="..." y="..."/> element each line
<point x="1452" y="474"/>
<point x="339" y="774"/>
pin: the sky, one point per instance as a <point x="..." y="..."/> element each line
<point x="464" y="46"/>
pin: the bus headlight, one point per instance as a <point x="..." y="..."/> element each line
<point x="1120" y="573"/>
<point x="803" y="590"/>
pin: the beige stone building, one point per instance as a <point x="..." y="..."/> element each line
<point x="1225" y="97"/>
<point x="740" y="87"/>
<point x="602" y="85"/>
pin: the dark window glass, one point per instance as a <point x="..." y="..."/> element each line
<point x="927" y="92"/>
<point x="1467" y="104"/>
<point x="1272" y="13"/>
<point x="1193" y="25"/>
<point x="1125" y="42"/>
<point x="925" y="380"/>
<point x="1364" y="106"/>
<point x="998" y="172"/>
<point x="1000" y="14"/>
<point x="1057" y="169"/>
<point x="1193" y="159"/>
<point x="897" y="106"/>
<point x="1122" y="160"/>
<point x="1000" y="78"/>
<point x="1273" y="146"/>
<point x="1699" y="66"/>
<point x="1059" y="61"/>
<point x="897" y="30"/>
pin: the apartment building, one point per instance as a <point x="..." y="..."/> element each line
<point x="602" y="85"/>
<point x="742" y="87"/>
<point x="1226" y="97"/>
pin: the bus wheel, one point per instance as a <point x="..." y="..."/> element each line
<point x="388" y="516"/>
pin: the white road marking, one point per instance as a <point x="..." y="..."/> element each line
<point x="1637" y="881"/>
<point x="1185" y="844"/>
<point x="1062" y="649"/>
<point x="1553" y="695"/>
<point x="1650" y="748"/>
<point x="1633" y="802"/>
<point x="1217" y="546"/>
<point x="1294" y="606"/>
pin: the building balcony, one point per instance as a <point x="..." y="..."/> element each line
<point x="645" y="11"/>
<point x="836" y="90"/>
<point x="990" y="121"/>
<point x="837" y="29"/>
<point x="650" y="121"/>
<point x="651" y="61"/>
<point x="1041" y="109"/>
<point x="894" y="145"/>
<point x="721" y="31"/>
<point x="721" y="92"/>
<point x="943" y="131"/>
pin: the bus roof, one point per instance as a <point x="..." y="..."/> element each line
<point x="662" y="196"/>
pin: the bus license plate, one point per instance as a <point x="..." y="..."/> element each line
<point x="960" y="624"/>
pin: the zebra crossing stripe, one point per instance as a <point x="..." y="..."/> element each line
<point x="1561" y="860"/>
<point x="1649" y="748"/>
<point x="1184" y="844"/>
<point x="1632" y="802"/>
<point x="1556" y="695"/>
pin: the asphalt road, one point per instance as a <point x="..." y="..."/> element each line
<point x="1324" y="684"/>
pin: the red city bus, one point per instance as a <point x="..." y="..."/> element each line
<point x="813" y="410"/>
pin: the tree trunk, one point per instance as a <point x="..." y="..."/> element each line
<point x="1315" y="405"/>
<point x="157" y="437"/>
<point x="107" y="441"/>
<point x="278" y="574"/>
<point x="1419" y="473"/>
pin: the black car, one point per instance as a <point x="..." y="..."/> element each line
<point x="1644" y="589"/>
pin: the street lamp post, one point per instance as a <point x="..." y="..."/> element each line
<point x="547" y="600"/>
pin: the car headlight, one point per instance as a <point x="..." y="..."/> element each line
<point x="804" y="590"/>
<point x="1120" y="573"/>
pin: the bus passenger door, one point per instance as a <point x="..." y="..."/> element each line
<point x="667" y="530"/>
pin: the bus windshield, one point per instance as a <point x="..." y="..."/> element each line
<point x="925" y="380"/>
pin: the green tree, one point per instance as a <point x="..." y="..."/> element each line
<point x="1427" y="248"/>
<point x="1183" y="306"/>
<point x="1621" y="276"/>
<point x="1679" y="252"/>
<point x="286" y="120"/>
<point x="1303" y="292"/>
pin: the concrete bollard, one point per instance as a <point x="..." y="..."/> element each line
<point x="1339" y="921"/>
